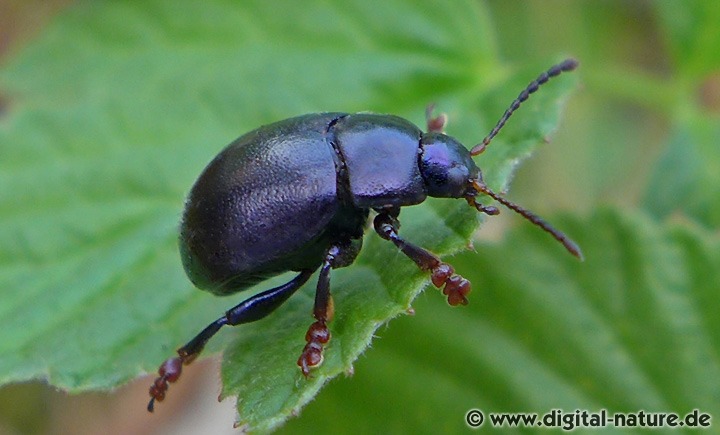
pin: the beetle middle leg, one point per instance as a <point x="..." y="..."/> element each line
<point x="318" y="335"/>
<point x="456" y="287"/>
<point x="250" y="310"/>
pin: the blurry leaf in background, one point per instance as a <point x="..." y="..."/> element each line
<point x="691" y="42"/>
<point x="99" y="152"/>
<point x="687" y="178"/>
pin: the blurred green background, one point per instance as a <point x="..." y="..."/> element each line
<point x="632" y="173"/>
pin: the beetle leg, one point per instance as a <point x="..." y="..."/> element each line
<point x="435" y="124"/>
<point x="250" y="310"/>
<point x="318" y="334"/>
<point x="456" y="287"/>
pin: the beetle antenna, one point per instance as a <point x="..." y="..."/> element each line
<point x="571" y="246"/>
<point x="555" y="70"/>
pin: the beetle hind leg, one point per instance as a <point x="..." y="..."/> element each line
<point x="442" y="274"/>
<point x="250" y="310"/>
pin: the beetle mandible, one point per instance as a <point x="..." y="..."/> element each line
<point x="295" y="196"/>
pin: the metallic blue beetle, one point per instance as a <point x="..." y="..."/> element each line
<point x="295" y="196"/>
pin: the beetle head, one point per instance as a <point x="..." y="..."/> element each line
<point x="450" y="172"/>
<point x="446" y="166"/>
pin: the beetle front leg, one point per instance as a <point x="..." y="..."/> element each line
<point x="456" y="287"/>
<point x="250" y="310"/>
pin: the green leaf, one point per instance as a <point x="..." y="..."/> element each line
<point x="689" y="26"/>
<point x="634" y="327"/>
<point x="114" y="110"/>
<point x="687" y="178"/>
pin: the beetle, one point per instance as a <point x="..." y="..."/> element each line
<point x="295" y="195"/>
